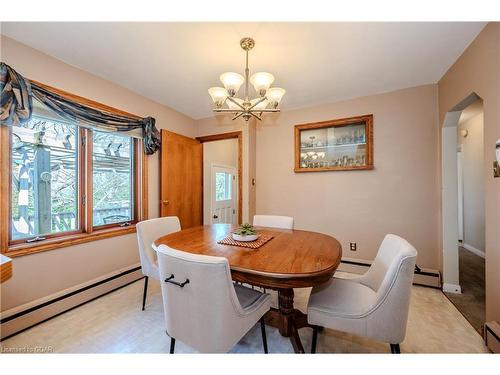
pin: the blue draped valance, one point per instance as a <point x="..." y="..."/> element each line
<point x="16" y="107"/>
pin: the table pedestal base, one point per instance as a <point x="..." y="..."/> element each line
<point x="287" y="319"/>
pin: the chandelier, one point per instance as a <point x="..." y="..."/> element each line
<point x="268" y="98"/>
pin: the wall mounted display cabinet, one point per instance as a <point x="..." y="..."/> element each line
<point x="335" y="145"/>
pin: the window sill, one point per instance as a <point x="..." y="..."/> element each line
<point x="75" y="239"/>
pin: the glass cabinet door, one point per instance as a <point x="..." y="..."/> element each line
<point x="345" y="144"/>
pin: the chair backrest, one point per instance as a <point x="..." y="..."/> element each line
<point x="391" y="277"/>
<point x="147" y="232"/>
<point x="273" y="221"/>
<point x="204" y="312"/>
<point x="385" y="267"/>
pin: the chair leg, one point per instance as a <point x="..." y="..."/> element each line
<point x="263" y="331"/>
<point x="395" y="349"/>
<point x="172" y="345"/>
<point x="146" y="278"/>
<point x="314" y="340"/>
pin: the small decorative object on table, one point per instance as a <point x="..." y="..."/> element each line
<point x="246" y="236"/>
<point x="245" y="233"/>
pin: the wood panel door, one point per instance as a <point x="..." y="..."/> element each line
<point x="181" y="178"/>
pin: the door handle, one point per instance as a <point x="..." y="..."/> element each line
<point x="215" y="217"/>
<point x="165" y="202"/>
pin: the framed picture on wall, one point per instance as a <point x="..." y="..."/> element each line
<point x="336" y="145"/>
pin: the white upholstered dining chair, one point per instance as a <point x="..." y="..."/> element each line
<point x="147" y="232"/>
<point x="273" y="221"/>
<point x="374" y="305"/>
<point x="202" y="307"/>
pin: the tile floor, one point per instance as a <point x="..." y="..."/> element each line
<point x="115" y="324"/>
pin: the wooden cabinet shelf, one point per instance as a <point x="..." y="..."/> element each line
<point x="333" y="146"/>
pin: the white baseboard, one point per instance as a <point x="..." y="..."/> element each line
<point x="473" y="250"/>
<point x="452" y="288"/>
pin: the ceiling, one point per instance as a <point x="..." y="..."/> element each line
<point x="175" y="63"/>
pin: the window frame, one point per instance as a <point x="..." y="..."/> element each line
<point x="81" y="192"/>
<point x="86" y="231"/>
<point x="90" y="186"/>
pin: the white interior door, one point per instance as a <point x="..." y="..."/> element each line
<point x="223" y="194"/>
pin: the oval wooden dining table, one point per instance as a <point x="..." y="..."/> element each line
<point x="291" y="259"/>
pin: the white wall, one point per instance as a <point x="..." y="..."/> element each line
<point x="473" y="181"/>
<point x="223" y="152"/>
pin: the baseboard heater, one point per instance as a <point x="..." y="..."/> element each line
<point x="422" y="276"/>
<point x="21" y="318"/>
<point x="492" y="336"/>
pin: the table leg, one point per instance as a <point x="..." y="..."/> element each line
<point x="295" y="340"/>
<point x="285" y="307"/>
<point x="287" y="326"/>
<point x="287" y="319"/>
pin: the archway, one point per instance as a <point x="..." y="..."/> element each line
<point x="449" y="195"/>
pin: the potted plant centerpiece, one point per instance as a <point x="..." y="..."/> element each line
<point x="245" y="233"/>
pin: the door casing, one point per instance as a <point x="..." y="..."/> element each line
<point x="231" y="135"/>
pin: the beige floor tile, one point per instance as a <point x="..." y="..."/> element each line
<point x="115" y="324"/>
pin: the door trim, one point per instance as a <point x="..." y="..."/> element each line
<point x="231" y="135"/>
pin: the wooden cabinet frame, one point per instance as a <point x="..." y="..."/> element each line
<point x="366" y="119"/>
<point x="87" y="232"/>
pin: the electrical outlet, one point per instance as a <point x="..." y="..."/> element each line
<point x="352" y="246"/>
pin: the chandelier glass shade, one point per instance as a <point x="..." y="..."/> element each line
<point x="267" y="100"/>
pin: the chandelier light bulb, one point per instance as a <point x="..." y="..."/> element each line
<point x="246" y="107"/>
<point x="274" y="95"/>
<point x="232" y="82"/>
<point x="218" y="95"/>
<point x="261" y="82"/>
